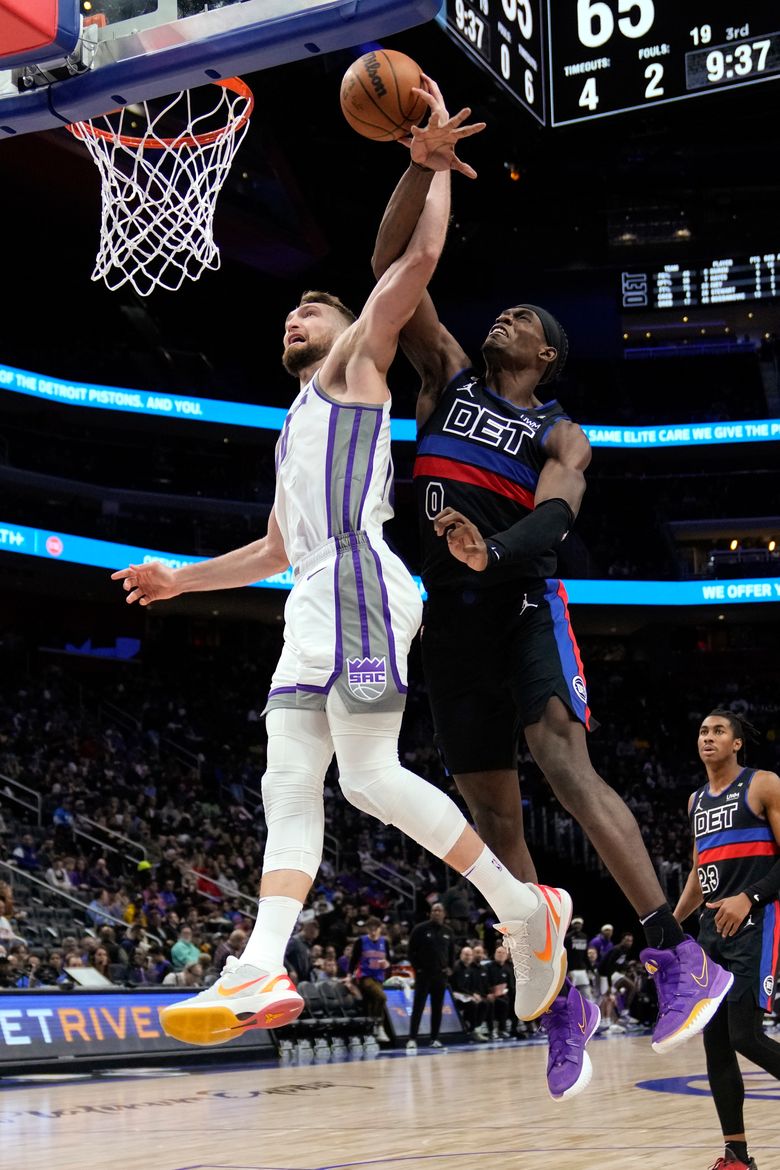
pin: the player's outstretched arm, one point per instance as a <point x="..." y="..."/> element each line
<point x="432" y="148"/>
<point x="430" y="347"/>
<point x="362" y="355"/>
<point x="155" y="581"/>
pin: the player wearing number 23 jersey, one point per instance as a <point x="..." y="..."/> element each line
<point x="735" y="824"/>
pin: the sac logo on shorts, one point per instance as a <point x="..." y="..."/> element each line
<point x="367" y="677"/>
<point x="580" y="690"/>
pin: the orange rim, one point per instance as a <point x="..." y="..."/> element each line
<point x="86" y="129"/>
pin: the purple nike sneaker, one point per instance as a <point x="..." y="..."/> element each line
<point x="569" y="1024"/>
<point x="690" y="989"/>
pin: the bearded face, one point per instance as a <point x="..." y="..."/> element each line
<point x="300" y="354"/>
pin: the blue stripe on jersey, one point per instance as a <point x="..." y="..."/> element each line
<point x="733" y="837"/>
<point x="466" y="451"/>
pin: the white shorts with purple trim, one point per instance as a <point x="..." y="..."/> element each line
<point x="349" y="622"/>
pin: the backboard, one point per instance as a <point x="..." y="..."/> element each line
<point x="130" y="50"/>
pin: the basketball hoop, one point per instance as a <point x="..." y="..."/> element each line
<point x="159" y="193"/>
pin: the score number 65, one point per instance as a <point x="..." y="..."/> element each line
<point x="596" y="20"/>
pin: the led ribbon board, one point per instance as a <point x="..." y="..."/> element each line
<point x="104" y="554"/>
<point x="244" y="414"/>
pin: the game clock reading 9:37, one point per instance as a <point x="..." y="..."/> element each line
<point x="505" y="37"/>
<point x="609" y="56"/>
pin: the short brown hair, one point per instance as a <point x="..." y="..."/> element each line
<point x="372" y="923"/>
<point x="316" y="297"/>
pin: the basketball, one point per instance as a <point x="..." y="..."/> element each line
<point x="376" y="95"/>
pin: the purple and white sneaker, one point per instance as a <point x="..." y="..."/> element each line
<point x="690" y="989"/>
<point x="569" y="1024"/>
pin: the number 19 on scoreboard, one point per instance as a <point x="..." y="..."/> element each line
<point x="573" y="60"/>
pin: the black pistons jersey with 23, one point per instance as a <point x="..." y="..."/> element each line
<point x="481" y="455"/>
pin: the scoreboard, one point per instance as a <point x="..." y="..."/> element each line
<point x="569" y="61"/>
<point x="506" y="37"/>
<point x="726" y="280"/>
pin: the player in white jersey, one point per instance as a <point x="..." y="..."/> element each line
<point x="350" y="618"/>
<point x="333" y="478"/>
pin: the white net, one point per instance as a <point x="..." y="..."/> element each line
<point x="159" y="192"/>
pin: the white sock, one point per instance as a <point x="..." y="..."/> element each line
<point x="508" y="897"/>
<point x="276" y="918"/>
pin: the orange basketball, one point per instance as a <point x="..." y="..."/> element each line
<point x="376" y="95"/>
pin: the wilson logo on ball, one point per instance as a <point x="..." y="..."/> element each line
<point x="377" y="96"/>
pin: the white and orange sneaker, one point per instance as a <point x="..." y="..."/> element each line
<point x="243" y="997"/>
<point x="538" y="952"/>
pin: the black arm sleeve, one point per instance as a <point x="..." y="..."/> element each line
<point x="543" y="530"/>
<point x="767" y="889"/>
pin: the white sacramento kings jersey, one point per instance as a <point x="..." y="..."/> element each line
<point x="354" y="607"/>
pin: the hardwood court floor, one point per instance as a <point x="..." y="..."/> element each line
<point x="484" y="1109"/>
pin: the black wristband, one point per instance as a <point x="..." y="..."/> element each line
<point x="419" y="167"/>
<point x="766" y="889"/>
<point x="495" y="552"/>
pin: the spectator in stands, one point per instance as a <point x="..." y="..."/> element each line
<point x="325" y="972"/>
<point x="614" y="963"/>
<point x="27" y="972"/>
<point x="501" y="989"/>
<point x="189" y="976"/>
<point x="100" y="876"/>
<point x="139" y="973"/>
<point x="51" y="972"/>
<point x="100" y="961"/>
<point x="184" y="952"/>
<point x="232" y="945"/>
<point x="467" y="990"/>
<point x="57" y="876"/>
<point x="612" y="969"/>
<point x="369" y="962"/>
<point x="577" y="953"/>
<point x="159" y="966"/>
<point x="168" y="899"/>
<point x="343" y="960"/>
<point x="458" y="904"/>
<point x="9" y="932"/>
<point x="107" y="939"/>
<point x="602" y="943"/>
<point x="594" y="979"/>
<point x="63" y="818"/>
<point x="7" y="894"/>
<point x="25" y="854"/>
<point x="79" y="877"/>
<point x="134" y="937"/>
<point x="99" y="910"/>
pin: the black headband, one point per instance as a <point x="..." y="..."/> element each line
<point x="555" y="336"/>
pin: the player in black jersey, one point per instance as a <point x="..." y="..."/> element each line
<point x="735" y="824"/>
<point x="500" y="477"/>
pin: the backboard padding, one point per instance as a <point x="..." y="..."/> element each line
<point x="37" y="30"/>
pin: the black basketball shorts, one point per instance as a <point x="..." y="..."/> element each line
<point x="492" y="659"/>
<point x="751" y="954"/>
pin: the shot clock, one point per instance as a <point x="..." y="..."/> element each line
<point x="572" y="60"/>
